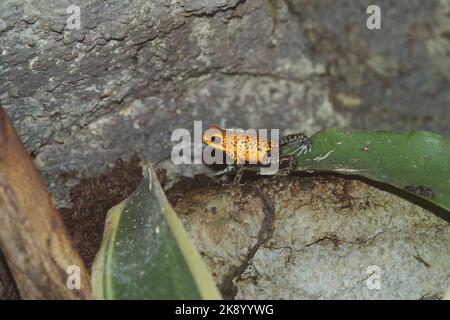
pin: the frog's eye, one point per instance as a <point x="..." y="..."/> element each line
<point x="212" y="136"/>
<point x="216" y="139"/>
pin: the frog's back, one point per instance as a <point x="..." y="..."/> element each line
<point x="241" y="146"/>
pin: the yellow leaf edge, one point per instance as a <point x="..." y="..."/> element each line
<point x="202" y="277"/>
<point x="101" y="276"/>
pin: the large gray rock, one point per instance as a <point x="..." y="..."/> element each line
<point x="137" y="70"/>
<point x="309" y="238"/>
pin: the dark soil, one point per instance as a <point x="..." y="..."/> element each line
<point x="92" y="198"/>
<point x="8" y="289"/>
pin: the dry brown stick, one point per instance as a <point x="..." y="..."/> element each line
<point x="33" y="238"/>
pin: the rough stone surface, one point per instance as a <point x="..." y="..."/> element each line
<point x="136" y="70"/>
<point x="314" y="238"/>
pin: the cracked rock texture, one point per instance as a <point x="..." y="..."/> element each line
<point x="314" y="238"/>
<point x="137" y="70"/>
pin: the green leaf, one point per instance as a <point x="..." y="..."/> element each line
<point x="147" y="254"/>
<point x="417" y="162"/>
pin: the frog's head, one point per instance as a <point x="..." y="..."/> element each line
<point x="214" y="137"/>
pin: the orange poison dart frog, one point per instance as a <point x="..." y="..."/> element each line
<point x="245" y="148"/>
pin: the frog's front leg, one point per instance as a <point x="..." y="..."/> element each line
<point x="304" y="142"/>
<point x="230" y="168"/>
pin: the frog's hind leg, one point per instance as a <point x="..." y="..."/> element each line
<point x="303" y="141"/>
<point x="295" y="137"/>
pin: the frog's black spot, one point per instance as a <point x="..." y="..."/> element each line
<point x="420" y="190"/>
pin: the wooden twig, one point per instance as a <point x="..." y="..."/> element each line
<point x="33" y="238"/>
